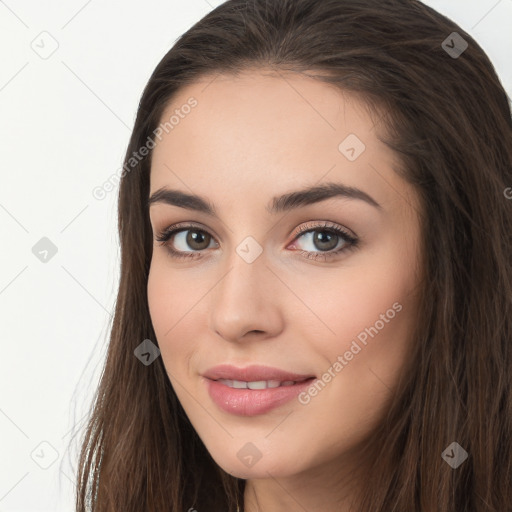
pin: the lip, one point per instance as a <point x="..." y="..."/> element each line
<point x="251" y="402"/>
<point x="252" y="373"/>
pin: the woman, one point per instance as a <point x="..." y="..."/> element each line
<point x="314" y="310"/>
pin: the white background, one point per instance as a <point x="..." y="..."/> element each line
<point x="64" y="127"/>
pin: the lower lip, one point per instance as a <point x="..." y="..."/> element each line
<point x="250" y="402"/>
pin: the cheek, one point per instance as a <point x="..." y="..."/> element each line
<point x="158" y="297"/>
<point x="347" y="304"/>
<point x="170" y="294"/>
<point x="377" y="326"/>
<point x="164" y="308"/>
<point x="367" y="315"/>
<point x="377" y="294"/>
<point x="173" y="303"/>
<point x="363" y="360"/>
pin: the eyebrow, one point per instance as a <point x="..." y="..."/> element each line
<point x="277" y="204"/>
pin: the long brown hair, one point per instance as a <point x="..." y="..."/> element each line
<point x="448" y="118"/>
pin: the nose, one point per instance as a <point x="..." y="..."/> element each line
<point x="245" y="302"/>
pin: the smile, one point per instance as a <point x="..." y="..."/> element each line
<point x="250" y="398"/>
<point x="257" y="384"/>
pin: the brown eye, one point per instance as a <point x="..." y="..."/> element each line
<point x="185" y="242"/>
<point x="187" y="238"/>
<point x="196" y="238"/>
<point x="323" y="241"/>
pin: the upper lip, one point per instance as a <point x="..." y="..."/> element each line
<point x="253" y="373"/>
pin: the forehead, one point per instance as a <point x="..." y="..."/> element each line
<point x="258" y="107"/>
<point x="269" y="131"/>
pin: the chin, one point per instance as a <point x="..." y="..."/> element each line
<point x="239" y="464"/>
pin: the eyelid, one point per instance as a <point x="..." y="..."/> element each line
<point x="303" y="228"/>
<point x="184" y="226"/>
<point x="351" y="241"/>
<point x="324" y="224"/>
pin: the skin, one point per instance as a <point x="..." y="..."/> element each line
<point x="249" y="138"/>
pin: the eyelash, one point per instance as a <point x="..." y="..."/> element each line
<point x="350" y="242"/>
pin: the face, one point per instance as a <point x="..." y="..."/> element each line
<point x="321" y="285"/>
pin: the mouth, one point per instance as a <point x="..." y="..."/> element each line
<point x="253" y="390"/>
<point x="260" y="384"/>
<point x="254" y="375"/>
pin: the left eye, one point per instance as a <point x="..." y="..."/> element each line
<point x="324" y="238"/>
<point x="321" y="239"/>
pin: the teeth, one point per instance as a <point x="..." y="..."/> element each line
<point x="259" y="384"/>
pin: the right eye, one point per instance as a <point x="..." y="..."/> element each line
<point x="184" y="235"/>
